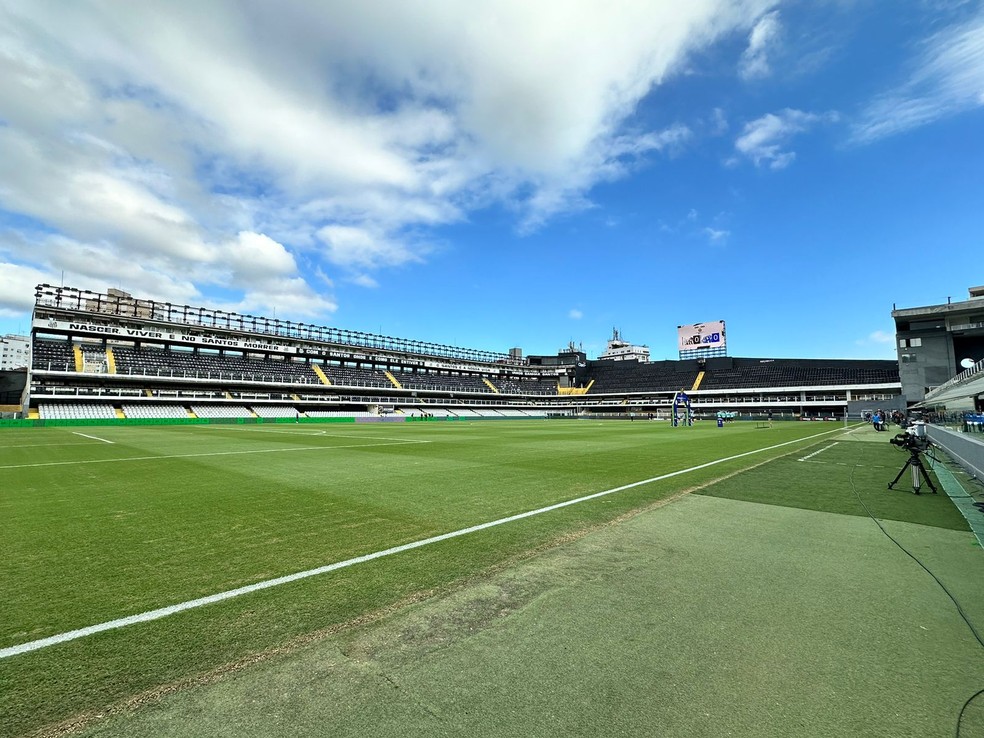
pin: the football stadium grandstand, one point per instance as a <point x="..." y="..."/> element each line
<point x="106" y="356"/>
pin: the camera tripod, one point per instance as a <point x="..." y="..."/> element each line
<point x="914" y="463"/>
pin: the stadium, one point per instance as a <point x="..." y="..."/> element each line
<point x="491" y="369"/>
<point x="225" y="524"/>
<point x="109" y="355"/>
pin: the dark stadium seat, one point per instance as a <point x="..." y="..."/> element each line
<point x="611" y="377"/>
<point x="159" y="362"/>
<point x="53" y="355"/>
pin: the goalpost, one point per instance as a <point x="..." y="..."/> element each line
<point x="681" y="410"/>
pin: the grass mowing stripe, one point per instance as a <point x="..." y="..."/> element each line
<point x="45" y="445"/>
<point x="210" y="453"/>
<point x="229" y="594"/>
<point x="326" y="434"/>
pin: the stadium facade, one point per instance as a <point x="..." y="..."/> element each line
<point x="112" y="356"/>
<point x="937" y="342"/>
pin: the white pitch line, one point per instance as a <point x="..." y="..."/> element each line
<point x="825" y="448"/>
<point x="210" y="453"/>
<point x="94" y="438"/>
<point x="267" y="584"/>
<point x="844" y="463"/>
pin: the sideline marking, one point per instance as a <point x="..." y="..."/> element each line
<point x="844" y="463"/>
<point x="229" y="594"/>
<point x="210" y="453"/>
<point x="94" y="438"/>
<point x="825" y="448"/>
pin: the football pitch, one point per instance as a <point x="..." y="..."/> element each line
<point x="142" y="561"/>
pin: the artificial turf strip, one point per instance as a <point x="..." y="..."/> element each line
<point x="848" y="476"/>
<point x="706" y="617"/>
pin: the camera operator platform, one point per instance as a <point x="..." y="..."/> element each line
<point x="914" y="443"/>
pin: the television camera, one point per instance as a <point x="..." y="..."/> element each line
<point x="915" y="442"/>
<point x="910" y="441"/>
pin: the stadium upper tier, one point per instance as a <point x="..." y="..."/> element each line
<point x="727" y="373"/>
<point x="748" y="373"/>
<point x="127" y="362"/>
<point x="631" y="376"/>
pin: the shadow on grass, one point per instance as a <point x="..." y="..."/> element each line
<point x="831" y="477"/>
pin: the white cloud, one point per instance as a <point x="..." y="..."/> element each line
<point x="605" y="161"/>
<point x="287" y="296"/>
<point x="250" y="145"/>
<point x="575" y="314"/>
<point x="754" y="62"/>
<point x="255" y="256"/>
<point x="765" y="140"/>
<point x="719" y="122"/>
<point x="364" y="280"/>
<point x="86" y="191"/>
<point x="876" y="338"/>
<point x="362" y="248"/>
<point x="715" y="235"/>
<point x="946" y="78"/>
<point x="15" y="300"/>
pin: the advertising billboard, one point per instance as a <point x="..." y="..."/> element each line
<point x="698" y="336"/>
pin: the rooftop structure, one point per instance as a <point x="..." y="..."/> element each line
<point x="621" y="350"/>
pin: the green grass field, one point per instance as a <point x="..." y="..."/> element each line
<point x="125" y="520"/>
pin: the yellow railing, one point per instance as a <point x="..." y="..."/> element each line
<point x="321" y="374"/>
<point x="575" y="390"/>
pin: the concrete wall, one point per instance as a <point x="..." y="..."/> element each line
<point x="967" y="449"/>
<point x="928" y="365"/>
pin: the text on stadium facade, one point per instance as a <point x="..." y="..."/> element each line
<point x="177" y="337"/>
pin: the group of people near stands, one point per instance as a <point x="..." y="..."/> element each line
<point x="879" y="419"/>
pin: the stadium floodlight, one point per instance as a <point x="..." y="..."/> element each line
<point x="967" y="363"/>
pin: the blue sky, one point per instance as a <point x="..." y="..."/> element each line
<point x="508" y="174"/>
